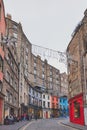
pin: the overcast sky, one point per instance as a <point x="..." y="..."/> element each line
<point x="48" y="23"/>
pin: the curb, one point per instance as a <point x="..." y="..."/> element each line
<point x="71" y="126"/>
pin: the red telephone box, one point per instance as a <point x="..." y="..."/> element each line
<point x="76" y="109"/>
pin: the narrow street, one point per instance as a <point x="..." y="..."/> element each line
<point x="47" y="124"/>
<point x="43" y="74"/>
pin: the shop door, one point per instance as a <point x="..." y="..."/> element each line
<point x="46" y="114"/>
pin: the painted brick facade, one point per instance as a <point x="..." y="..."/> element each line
<point x="2" y="18"/>
<point x="2" y="33"/>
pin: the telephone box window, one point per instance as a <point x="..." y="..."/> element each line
<point x="76" y="109"/>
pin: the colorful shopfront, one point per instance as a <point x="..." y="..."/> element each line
<point x="76" y="110"/>
<point x="54" y="106"/>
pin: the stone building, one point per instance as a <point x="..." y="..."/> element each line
<point x="36" y="71"/>
<point x="64" y="84"/>
<point x="24" y="78"/>
<point x="23" y="50"/>
<point x="45" y="75"/>
<point x="21" y="68"/>
<point x="11" y="81"/>
<point x="10" y="86"/>
<point x="77" y="73"/>
<point x="47" y="79"/>
<point x="32" y="69"/>
<point x="53" y="79"/>
<point x="10" y="69"/>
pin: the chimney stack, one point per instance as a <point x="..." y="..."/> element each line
<point x="9" y="16"/>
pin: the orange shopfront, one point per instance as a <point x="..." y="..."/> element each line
<point x="76" y="109"/>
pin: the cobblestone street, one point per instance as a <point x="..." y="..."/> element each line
<point x="44" y="124"/>
<point x="53" y="124"/>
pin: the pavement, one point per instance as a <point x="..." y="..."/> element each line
<point x="15" y="126"/>
<point x="73" y="125"/>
